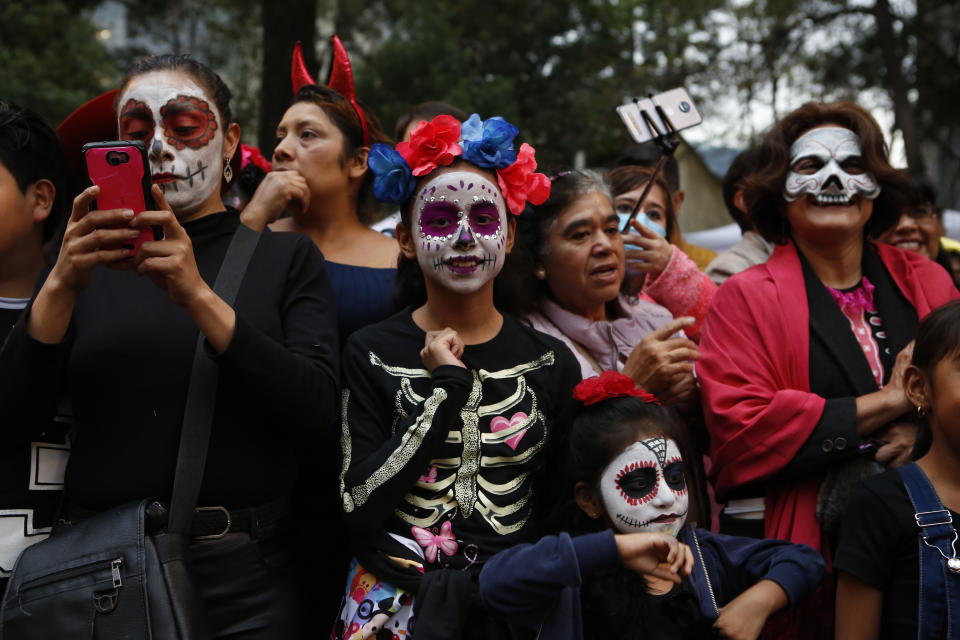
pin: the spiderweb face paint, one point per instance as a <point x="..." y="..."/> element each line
<point x="179" y="124"/>
<point x="644" y="489"/>
<point x="460" y="227"/>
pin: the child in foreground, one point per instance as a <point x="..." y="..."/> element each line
<point x="882" y="552"/>
<point x="628" y="564"/>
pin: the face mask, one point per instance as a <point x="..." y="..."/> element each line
<point x="179" y="124"/>
<point x="642" y="218"/>
<point x="644" y="488"/>
<point x="823" y="157"/>
<point x="460" y="227"/>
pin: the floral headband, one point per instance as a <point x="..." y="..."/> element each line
<point x="485" y="143"/>
<point x="610" y="384"/>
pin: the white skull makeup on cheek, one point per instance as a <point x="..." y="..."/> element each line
<point x="460" y="227"/>
<point x="644" y="488"/>
<point x="180" y="126"/>
<point x="827" y="163"/>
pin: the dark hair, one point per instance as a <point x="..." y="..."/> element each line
<point x="647" y="155"/>
<point x="630" y="177"/>
<point x="31" y="151"/>
<point x="938" y="338"/>
<point x="597" y="434"/>
<point x="743" y="165"/>
<point x="345" y="118"/>
<point x="763" y="189"/>
<point x="425" y="111"/>
<point x="533" y="228"/>
<point x="511" y="287"/>
<point x="200" y="72"/>
<point x="919" y="192"/>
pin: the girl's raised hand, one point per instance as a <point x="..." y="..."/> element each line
<point x="656" y="554"/>
<point x="655" y="252"/>
<point x="442" y="347"/>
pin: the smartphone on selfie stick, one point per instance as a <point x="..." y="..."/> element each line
<point x="121" y="169"/>
<point x="657" y="119"/>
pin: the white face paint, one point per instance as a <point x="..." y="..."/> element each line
<point x="827" y="163"/>
<point x="644" y="488"/>
<point x="460" y="226"/>
<point x="180" y="126"/>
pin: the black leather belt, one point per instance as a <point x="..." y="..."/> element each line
<point x="210" y="523"/>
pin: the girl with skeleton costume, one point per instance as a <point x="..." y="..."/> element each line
<point x="122" y="346"/>
<point x="448" y="406"/>
<point x="629" y="564"/>
<point x="802" y="357"/>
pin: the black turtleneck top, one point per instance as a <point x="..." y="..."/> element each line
<point x="125" y="363"/>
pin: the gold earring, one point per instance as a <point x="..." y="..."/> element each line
<point x="921" y="411"/>
<point x="227" y="169"/>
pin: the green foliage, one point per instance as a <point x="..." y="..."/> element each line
<point x="557" y="70"/>
<point x="51" y="59"/>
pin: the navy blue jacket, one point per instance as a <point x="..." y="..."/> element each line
<point x="538" y="585"/>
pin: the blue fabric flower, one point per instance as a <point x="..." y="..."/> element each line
<point x="393" y="182"/>
<point x="489" y="143"/>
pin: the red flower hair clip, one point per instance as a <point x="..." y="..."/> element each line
<point x="432" y="144"/>
<point x="610" y="384"/>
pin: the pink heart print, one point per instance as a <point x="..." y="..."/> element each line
<point x="500" y="423"/>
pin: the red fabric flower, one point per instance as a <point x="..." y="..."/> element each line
<point x="610" y="384"/>
<point x="432" y="144"/>
<point x="520" y="184"/>
<point x="250" y="154"/>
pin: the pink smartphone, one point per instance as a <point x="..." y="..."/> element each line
<point x="121" y="170"/>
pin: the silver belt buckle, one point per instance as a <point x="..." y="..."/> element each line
<point x="226" y="529"/>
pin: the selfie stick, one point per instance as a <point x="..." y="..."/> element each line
<point x="668" y="144"/>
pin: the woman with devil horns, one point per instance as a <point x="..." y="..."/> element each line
<point x="320" y="177"/>
<point x="121" y="346"/>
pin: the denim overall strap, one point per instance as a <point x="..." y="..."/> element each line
<point x="939" y="587"/>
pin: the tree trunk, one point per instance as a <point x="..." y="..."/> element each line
<point x="284" y="23"/>
<point x="896" y="85"/>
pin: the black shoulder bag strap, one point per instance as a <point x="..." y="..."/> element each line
<point x="202" y="393"/>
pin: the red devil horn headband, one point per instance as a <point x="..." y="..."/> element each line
<point x="341" y="78"/>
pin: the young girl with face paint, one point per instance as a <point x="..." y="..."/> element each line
<point x="629" y="564"/>
<point x="891" y="584"/>
<point x="120" y="341"/>
<point x="449" y="405"/>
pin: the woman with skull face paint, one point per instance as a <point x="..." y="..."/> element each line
<point x="122" y="346"/>
<point x="803" y="357"/>
<point x="628" y="562"/>
<point x="449" y="406"/>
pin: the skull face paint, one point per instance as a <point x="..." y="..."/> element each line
<point x="460" y="227"/>
<point x="180" y="126"/>
<point x="644" y="488"/>
<point x="827" y="163"/>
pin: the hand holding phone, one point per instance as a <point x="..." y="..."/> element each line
<point x="121" y="170"/>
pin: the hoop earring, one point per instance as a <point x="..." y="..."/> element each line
<point x="921" y="412"/>
<point x="227" y="169"/>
